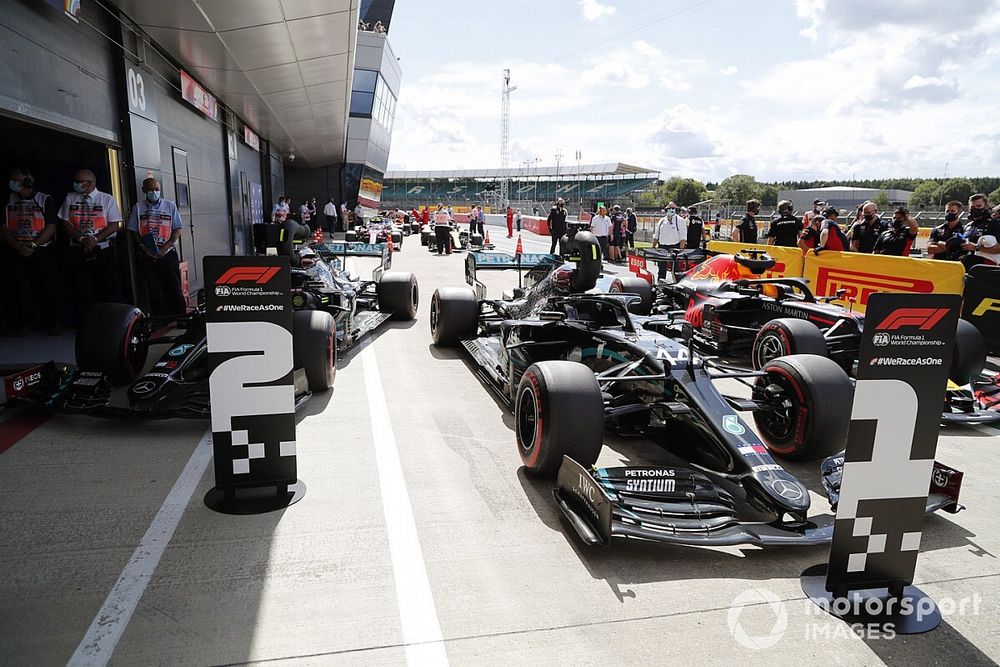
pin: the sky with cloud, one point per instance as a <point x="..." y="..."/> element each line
<point x="780" y="89"/>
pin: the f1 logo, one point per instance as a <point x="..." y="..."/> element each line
<point x="922" y="318"/>
<point x="247" y="274"/>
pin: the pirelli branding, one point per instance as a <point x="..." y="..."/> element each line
<point x="859" y="286"/>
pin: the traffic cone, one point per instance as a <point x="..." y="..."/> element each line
<point x="519" y="250"/>
<point x="487" y="240"/>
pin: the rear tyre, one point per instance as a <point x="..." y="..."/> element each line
<point x="969" y="357"/>
<point x="425" y="238"/>
<point x="314" y="347"/>
<point x="397" y="240"/>
<point x="454" y="315"/>
<point x="809" y="399"/>
<point x="559" y="410"/>
<point x="638" y="286"/>
<point x="350" y="236"/>
<point x="398" y="294"/>
<point x="785" y="336"/>
<point x="112" y="341"/>
<point x="476" y="240"/>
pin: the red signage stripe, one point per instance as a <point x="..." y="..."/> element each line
<point x="267" y="275"/>
<point x="15" y="428"/>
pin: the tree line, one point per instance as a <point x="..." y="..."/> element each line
<point x="737" y="189"/>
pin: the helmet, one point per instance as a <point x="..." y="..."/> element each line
<point x="785" y="207"/>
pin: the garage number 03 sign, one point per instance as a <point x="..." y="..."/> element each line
<point x="250" y="357"/>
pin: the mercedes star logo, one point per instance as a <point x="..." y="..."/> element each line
<point x="143" y="387"/>
<point x="787" y="489"/>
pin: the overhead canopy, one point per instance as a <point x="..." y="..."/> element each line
<point x="282" y="65"/>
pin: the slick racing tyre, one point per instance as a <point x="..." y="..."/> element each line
<point x="425" y="238"/>
<point x="398" y="294"/>
<point x="314" y="347"/>
<point x="808" y="401"/>
<point x="397" y="240"/>
<point x="785" y="336"/>
<point x="414" y="227"/>
<point x="558" y="410"/>
<point x="639" y="287"/>
<point x="112" y="340"/>
<point x="350" y="236"/>
<point x="969" y="357"/>
<point x="454" y="315"/>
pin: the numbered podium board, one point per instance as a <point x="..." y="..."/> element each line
<point x="248" y="312"/>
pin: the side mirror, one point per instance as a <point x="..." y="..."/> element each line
<point x="552" y="316"/>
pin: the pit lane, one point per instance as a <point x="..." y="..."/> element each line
<point x="509" y="582"/>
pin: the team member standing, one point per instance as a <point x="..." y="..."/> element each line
<point x="91" y="219"/>
<point x="946" y="240"/>
<point x="305" y="213"/>
<point x="831" y="236"/>
<point x="28" y="233"/>
<point x="695" y="228"/>
<point x="510" y="222"/>
<point x="631" y="225"/>
<point x="557" y="223"/>
<point x="746" y="231"/>
<point x="155" y="225"/>
<point x="330" y="213"/>
<point x="784" y="231"/>
<point x="669" y="234"/>
<point x="600" y="225"/>
<point x="813" y="213"/>
<point x="280" y="211"/>
<point x="442" y="230"/>
<point x="982" y="234"/>
<point x="864" y="232"/>
<point x="898" y="239"/>
<point x="618" y="224"/>
<point x="517" y="219"/>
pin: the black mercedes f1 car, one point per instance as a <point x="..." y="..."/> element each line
<point x="333" y="310"/>
<point x="572" y="361"/>
<point x="736" y="312"/>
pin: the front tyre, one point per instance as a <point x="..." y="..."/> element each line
<point x="398" y="294"/>
<point x="314" y="347"/>
<point x="558" y="410"/>
<point x="637" y="286"/>
<point x="808" y="411"/>
<point x="112" y="341"/>
<point x="969" y="357"/>
<point x="454" y="315"/>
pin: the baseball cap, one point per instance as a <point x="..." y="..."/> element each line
<point x="817" y="201"/>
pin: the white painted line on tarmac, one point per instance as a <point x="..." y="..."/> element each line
<point x="107" y="628"/>
<point x="417" y="615"/>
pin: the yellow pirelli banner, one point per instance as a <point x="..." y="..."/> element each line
<point x="858" y="274"/>
<point x="863" y="275"/>
<point x="787" y="261"/>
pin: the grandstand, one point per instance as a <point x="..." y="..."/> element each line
<point x="582" y="185"/>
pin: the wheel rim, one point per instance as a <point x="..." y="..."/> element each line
<point x="527" y="420"/>
<point x="435" y="312"/>
<point x="414" y="297"/>
<point x="133" y="347"/>
<point x="779" y="419"/>
<point x="769" y="349"/>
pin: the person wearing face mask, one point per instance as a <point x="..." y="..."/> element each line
<point x="155" y="226"/>
<point x="746" y="231"/>
<point x="946" y="240"/>
<point x="669" y="234"/>
<point x="785" y="230"/>
<point x="557" y="223"/>
<point x="27" y="235"/>
<point x="899" y="238"/>
<point x="982" y="234"/>
<point x="864" y="232"/>
<point x="814" y="214"/>
<point x="91" y="219"/>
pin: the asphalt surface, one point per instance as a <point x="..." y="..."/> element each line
<point x="419" y="540"/>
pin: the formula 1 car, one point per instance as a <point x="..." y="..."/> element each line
<point x="460" y="239"/>
<point x="382" y="229"/>
<point x="333" y="309"/>
<point x="572" y="362"/>
<point x="735" y="311"/>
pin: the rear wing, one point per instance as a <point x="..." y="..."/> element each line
<point x="332" y="251"/>
<point x="500" y="261"/>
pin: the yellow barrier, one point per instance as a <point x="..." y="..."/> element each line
<point x="788" y="261"/>
<point x="863" y="275"/>
<point x="859" y="274"/>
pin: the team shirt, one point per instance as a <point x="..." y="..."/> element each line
<point x="600" y="225"/>
<point x="895" y="242"/>
<point x="835" y="239"/>
<point x="90" y="214"/>
<point x="155" y="222"/>
<point x="941" y="234"/>
<point x="785" y="231"/>
<point x="695" y="232"/>
<point x="748" y="229"/>
<point x="669" y="230"/>
<point x="866" y="234"/>
<point x="26" y="218"/>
